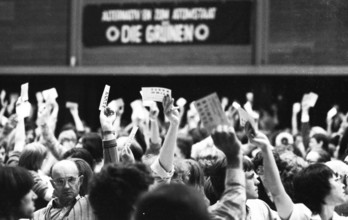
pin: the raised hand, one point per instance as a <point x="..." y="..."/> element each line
<point x="43" y="114"/>
<point x="154" y="112"/>
<point x="107" y="119"/>
<point x="170" y="111"/>
<point x="225" y="139"/>
<point x="126" y="155"/>
<point x="261" y="140"/>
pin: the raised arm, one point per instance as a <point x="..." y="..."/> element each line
<point x="273" y="182"/>
<point x="20" y="128"/>
<point x="47" y="136"/>
<point x="166" y="156"/>
<point x="74" y="111"/>
<point x="107" y="119"/>
<point x="155" y="139"/>
<point x="232" y="203"/>
<point x="296" y="108"/>
<point x="305" y="127"/>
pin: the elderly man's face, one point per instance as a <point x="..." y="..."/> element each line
<point x="66" y="181"/>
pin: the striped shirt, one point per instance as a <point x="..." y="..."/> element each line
<point x="80" y="210"/>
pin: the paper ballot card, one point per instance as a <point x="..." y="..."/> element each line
<point x="332" y="112"/>
<point x="23" y="110"/>
<point x="39" y="97"/>
<point x="247" y="121"/>
<point x="50" y="94"/>
<point x="236" y="105"/>
<point x="310" y="99"/>
<point x="296" y="107"/>
<point x="2" y="95"/>
<point x="154" y="93"/>
<point x="104" y="98"/>
<point x="245" y="117"/>
<point x="24" y="92"/>
<point x="313" y="97"/>
<point x="210" y="111"/>
<point x="181" y="102"/>
<point x="131" y="136"/>
<point x="71" y="105"/>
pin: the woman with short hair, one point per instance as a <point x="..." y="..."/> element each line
<point x="17" y="197"/>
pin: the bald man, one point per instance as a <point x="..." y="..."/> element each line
<point x="67" y="204"/>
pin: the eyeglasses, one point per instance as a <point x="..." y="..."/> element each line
<point x="62" y="181"/>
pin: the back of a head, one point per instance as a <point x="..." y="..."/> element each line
<point x="32" y="156"/>
<point x="196" y="173"/>
<point x="311" y="186"/>
<point x="172" y="202"/>
<point x="15" y="183"/>
<point x="93" y="143"/>
<point x="80" y="153"/>
<point x="319" y="137"/>
<point x="115" y="189"/>
<point x="86" y="171"/>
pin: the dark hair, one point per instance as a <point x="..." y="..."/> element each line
<point x="172" y="202"/>
<point x="311" y="186"/>
<point x="322" y="138"/>
<point x="115" y="189"/>
<point x="80" y="153"/>
<point x="258" y="161"/>
<point x="93" y="143"/>
<point x="86" y="171"/>
<point x="15" y="183"/>
<point x="196" y="176"/>
<point x="217" y="174"/>
<point x="32" y="156"/>
<point x="137" y="150"/>
<point x="185" y="146"/>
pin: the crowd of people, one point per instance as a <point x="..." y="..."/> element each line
<point x="169" y="166"/>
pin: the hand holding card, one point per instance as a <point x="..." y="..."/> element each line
<point x="50" y="95"/>
<point x="210" y="112"/>
<point x="104" y="98"/>
<point x="24" y="92"/>
<point x="154" y="93"/>
<point x="332" y="112"/>
<point x="247" y="122"/>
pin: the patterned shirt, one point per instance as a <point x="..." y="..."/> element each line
<point x="79" y="210"/>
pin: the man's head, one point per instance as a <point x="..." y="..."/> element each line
<point x="66" y="181"/>
<point x="114" y="191"/>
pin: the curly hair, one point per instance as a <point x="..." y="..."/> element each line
<point x="311" y="186"/>
<point x="114" y="191"/>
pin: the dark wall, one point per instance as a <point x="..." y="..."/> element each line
<point x="34" y="32"/>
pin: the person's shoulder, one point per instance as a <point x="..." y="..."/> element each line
<point x="39" y="214"/>
<point x="301" y="211"/>
<point x="256" y="202"/>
